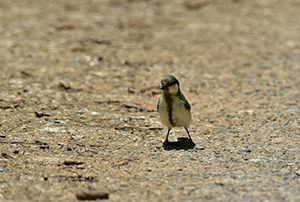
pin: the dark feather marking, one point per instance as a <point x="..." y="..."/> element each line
<point x="170" y="109"/>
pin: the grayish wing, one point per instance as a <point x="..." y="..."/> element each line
<point x="184" y="102"/>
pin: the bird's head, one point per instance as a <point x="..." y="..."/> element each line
<point x="169" y="84"/>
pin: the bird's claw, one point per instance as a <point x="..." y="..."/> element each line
<point x="193" y="143"/>
<point x="166" y="142"/>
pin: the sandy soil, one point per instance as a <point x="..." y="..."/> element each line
<point x="79" y="86"/>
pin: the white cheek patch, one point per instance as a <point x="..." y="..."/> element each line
<point x="173" y="89"/>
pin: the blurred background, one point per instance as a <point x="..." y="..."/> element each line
<point x="85" y="74"/>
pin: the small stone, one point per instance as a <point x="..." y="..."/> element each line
<point x="199" y="148"/>
<point x="131" y="90"/>
<point x="71" y="162"/>
<point x="64" y="84"/>
<point x="123" y="185"/>
<point x="272" y="118"/>
<point x="196" y="4"/>
<point x="80" y="115"/>
<point x="40" y="114"/>
<point x="291" y="176"/>
<point x="92" y="195"/>
<point x="244" y="151"/>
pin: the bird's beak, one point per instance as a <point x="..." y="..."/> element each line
<point x="163" y="87"/>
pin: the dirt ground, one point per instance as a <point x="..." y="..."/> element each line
<point x="79" y="84"/>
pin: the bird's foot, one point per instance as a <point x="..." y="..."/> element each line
<point x="192" y="143"/>
<point x="166" y="142"/>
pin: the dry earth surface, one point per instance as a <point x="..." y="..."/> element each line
<point x="79" y="86"/>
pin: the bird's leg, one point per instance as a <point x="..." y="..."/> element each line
<point x="167" y="138"/>
<point x="190" y="136"/>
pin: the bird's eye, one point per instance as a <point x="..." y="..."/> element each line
<point x="173" y="83"/>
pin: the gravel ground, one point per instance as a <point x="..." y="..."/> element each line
<point x="79" y="84"/>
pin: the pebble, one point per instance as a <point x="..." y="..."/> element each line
<point x="94" y="113"/>
<point x="244" y="151"/>
<point x="92" y="195"/>
<point x="199" y="148"/>
<point x="123" y="185"/>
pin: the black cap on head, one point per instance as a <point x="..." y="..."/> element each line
<point x="167" y="81"/>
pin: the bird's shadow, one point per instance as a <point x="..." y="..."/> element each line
<point x="180" y="144"/>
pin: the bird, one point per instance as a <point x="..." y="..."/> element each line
<point x="173" y="108"/>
